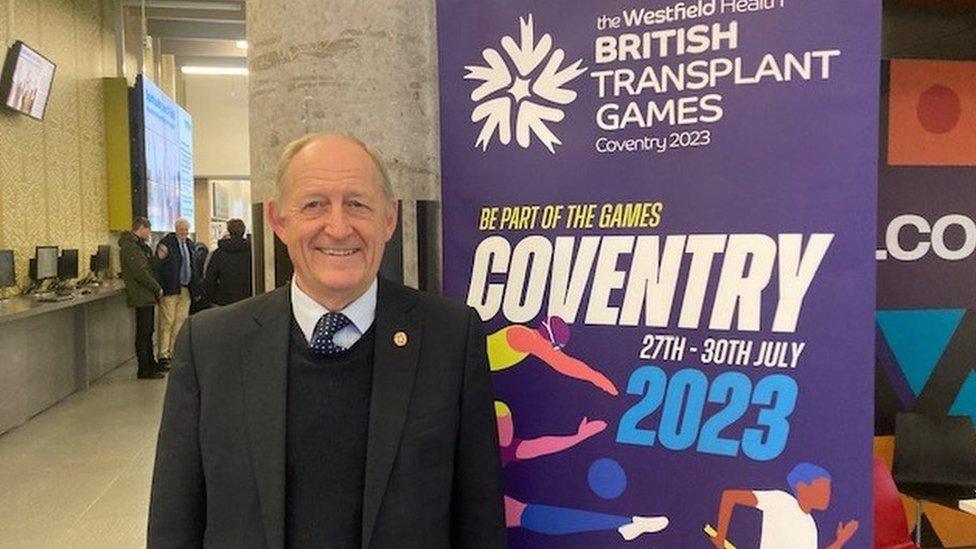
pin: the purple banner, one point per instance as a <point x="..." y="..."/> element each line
<point x="665" y="214"/>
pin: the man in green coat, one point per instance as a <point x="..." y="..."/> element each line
<point x="142" y="292"/>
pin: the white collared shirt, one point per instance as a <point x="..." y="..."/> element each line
<point x="360" y="312"/>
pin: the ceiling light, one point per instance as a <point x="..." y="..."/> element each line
<point x="242" y="44"/>
<point x="214" y="70"/>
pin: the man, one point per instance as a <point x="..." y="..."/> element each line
<point x="141" y="292"/>
<point x="174" y="255"/>
<point x="228" y="278"/>
<point x="787" y="519"/>
<point x="340" y="411"/>
<point x="199" y="254"/>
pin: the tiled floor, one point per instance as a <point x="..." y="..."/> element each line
<point x="77" y="474"/>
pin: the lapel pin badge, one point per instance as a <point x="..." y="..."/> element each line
<point x="400" y="339"/>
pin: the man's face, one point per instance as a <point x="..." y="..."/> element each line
<point x="814" y="496"/>
<point x="182" y="231"/>
<point x="143" y="232"/>
<point x="335" y="220"/>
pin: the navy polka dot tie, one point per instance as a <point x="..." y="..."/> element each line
<point x="328" y="326"/>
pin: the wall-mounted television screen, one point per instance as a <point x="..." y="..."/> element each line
<point x="162" y="157"/>
<point x="26" y="81"/>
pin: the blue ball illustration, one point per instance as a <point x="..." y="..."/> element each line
<point x="607" y="478"/>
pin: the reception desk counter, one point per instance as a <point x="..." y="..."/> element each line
<point x="49" y="350"/>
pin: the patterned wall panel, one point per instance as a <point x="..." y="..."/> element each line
<point x="925" y="358"/>
<point x="52" y="172"/>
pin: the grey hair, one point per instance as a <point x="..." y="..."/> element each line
<point x="296" y="146"/>
<point x="181" y="221"/>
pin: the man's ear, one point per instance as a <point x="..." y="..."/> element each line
<point x="275" y="218"/>
<point x="391" y="219"/>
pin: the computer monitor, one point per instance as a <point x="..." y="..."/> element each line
<point x="102" y="255"/>
<point x="68" y="265"/>
<point x="47" y="262"/>
<point x="7" y="275"/>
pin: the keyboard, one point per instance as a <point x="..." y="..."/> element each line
<point x="52" y="298"/>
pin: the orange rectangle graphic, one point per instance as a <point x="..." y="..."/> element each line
<point x="932" y="113"/>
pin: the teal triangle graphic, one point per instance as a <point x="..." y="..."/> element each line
<point x="965" y="404"/>
<point x="918" y="337"/>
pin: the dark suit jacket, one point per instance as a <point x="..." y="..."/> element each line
<point x="432" y="466"/>
<point x="168" y="270"/>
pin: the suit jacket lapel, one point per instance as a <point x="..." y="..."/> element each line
<point x="394" y="369"/>
<point x="265" y="370"/>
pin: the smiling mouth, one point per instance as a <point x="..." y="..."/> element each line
<point x="337" y="252"/>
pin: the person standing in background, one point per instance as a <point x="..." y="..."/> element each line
<point x="199" y="253"/>
<point x="228" y="277"/>
<point x="142" y="291"/>
<point x="174" y="271"/>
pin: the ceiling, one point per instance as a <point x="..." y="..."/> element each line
<point x="197" y="32"/>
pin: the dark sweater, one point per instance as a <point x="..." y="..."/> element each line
<point x="228" y="277"/>
<point x="327" y="422"/>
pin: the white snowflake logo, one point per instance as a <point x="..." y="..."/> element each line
<point x="528" y="89"/>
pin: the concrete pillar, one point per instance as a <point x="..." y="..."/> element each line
<point x="342" y="66"/>
<point x="167" y="76"/>
<point x="137" y="55"/>
<point x="201" y="219"/>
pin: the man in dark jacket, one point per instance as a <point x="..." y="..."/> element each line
<point x="174" y="270"/>
<point x="199" y="253"/>
<point x="228" y="278"/>
<point x="141" y="292"/>
<point x="342" y="410"/>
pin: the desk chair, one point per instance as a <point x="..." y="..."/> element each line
<point x="935" y="460"/>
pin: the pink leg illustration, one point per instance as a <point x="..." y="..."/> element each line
<point x="513" y="512"/>
<point x="527" y="340"/>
